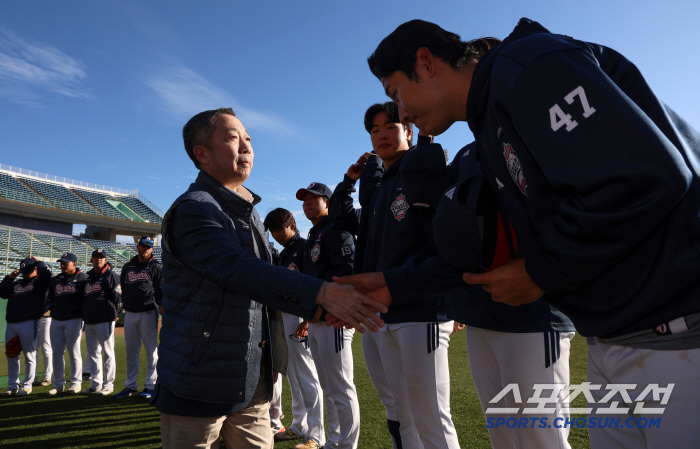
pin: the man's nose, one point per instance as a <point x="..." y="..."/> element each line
<point x="245" y="147"/>
<point x="404" y="115"/>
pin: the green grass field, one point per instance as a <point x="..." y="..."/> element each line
<point x="62" y="421"/>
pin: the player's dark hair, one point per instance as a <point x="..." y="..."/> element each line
<point x="199" y="129"/>
<point x="392" y="111"/>
<point x="398" y="50"/>
<point x="278" y="218"/>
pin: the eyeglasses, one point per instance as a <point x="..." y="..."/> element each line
<point x="304" y="340"/>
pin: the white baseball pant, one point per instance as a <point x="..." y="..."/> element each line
<point x="44" y="344"/>
<point x="332" y="354"/>
<point x="138" y="327"/>
<point x="415" y="361"/>
<point x="66" y="334"/>
<point x="276" y="406"/>
<point x="27" y="331"/>
<point x="678" y="427"/>
<point x="305" y="388"/>
<point x="497" y="359"/>
<point x="377" y="372"/>
<point x="100" y="337"/>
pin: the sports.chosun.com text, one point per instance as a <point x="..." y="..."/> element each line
<point x="608" y="422"/>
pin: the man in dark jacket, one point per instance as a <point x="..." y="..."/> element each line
<point x="101" y="305"/>
<point x="25" y="306"/>
<point x="214" y="358"/>
<point x="601" y="184"/>
<point x="141" y="283"/>
<point x="65" y="297"/>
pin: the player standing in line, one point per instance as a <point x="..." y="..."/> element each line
<point x="25" y="306"/>
<point x="101" y="305"/>
<point x="329" y="252"/>
<point x="307" y="403"/>
<point x="411" y="379"/>
<point x="141" y="283"/>
<point x="43" y="344"/>
<point x="65" y="297"/>
<point x="602" y="187"/>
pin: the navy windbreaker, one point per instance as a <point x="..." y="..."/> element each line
<point x="142" y="285"/>
<point x="103" y="297"/>
<point x="66" y="296"/>
<point x="26" y="298"/>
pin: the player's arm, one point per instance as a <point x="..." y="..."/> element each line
<point x="157" y="279"/>
<point x="619" y="173"/>
<point x="339" y="247"/>
<point x="115" y="290"/>
<point x="341" y="208"/>
<point x="44" y="275"/>
<point x="370" y="178"/>
<point x="6" y="284"/>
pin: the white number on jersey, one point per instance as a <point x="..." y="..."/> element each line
<point x="559" y="118"/>
<point x="346" y="250"/>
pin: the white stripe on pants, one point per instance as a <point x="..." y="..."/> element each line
<point x="678" y="428"/>
<point x="415" y="361"/>
<point x="100" y="337"/>
<point x="276" y="406"/>
<point x="141" y="326"/>
<point x="497" y="359"/>
<point x="307" y="395"/>
<point x="66" y="334"/>
<point x="332" y="353"/>
<point x="44" y="344"/>
<point x="27" y="331"/>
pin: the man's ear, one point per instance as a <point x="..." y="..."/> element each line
<point x="202" y="154"/>
<point x="409" y="133"/>
<point x="425" y="63"/>
<point x="293" y="226"/>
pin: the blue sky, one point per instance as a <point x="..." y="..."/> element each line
<point x="99" y="91"/>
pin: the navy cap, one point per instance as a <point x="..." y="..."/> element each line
<point x="317" y="189"/>
<point x="26" y="266"/>
<point x="423" y="173"/>
<point x="68" y="257"/>
<point x="99" y="253"/>
<point x="470" y="232"/>
<point x="146" y="241"/>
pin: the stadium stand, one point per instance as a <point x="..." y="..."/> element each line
<point x="60" y="196"/>
<point x="12" y="189"/>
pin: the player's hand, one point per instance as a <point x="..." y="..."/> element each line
<point x="457" y="327"/>
<point x="354" y="170"/>
<point x="509" y="283"/>
<point x="35" y="259"/>
<point x="302" y="329"/>
<point x="14" y="274"/>
<point x="371" y="284"/>
<point x="351" y="306"/>
<point x="317" y="317"/>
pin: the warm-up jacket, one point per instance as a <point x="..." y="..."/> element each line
<point x="141" y="284"/>
<point x="293" y="253"/>
<point x="103" y="296"/>
<point x="26" y="298"/>
<point x="391" y="230"/>
<point x="66" y="296"/>
<point x="599" y="178"/>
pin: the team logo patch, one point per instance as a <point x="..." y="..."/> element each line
<point x="515" y="168"/>
<point x="64" y="255"/>
<point x="60" y="289"/>
<point x="315" y="252"/>
<point x="91" y="288"/>
<point x="399" y="207"/>
<point x="19" y="289"/>
<point x="292" y="266"/>
<point x="135" y="277"/>
<point x="118" y="289"/>
<point x="311" y="186"/>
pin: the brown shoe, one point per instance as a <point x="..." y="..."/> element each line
<point x="308" y="443"/>
<point x="288" y="434"/>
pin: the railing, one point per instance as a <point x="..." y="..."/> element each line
<point x="148" y="204"/>
<point x="87" y="185"/>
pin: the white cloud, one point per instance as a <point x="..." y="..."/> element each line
<point x="27" y="68"/>
<point x="186" y="92"/>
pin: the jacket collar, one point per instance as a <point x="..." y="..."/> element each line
<point x="480" y="89"/>
<point x="294" y="238"/>
<point x="228" y="197"/>
<point x="394" y="168"/>
<point x="325" y="220"/>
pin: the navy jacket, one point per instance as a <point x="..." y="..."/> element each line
<point x="597" y="175"/>
<point x="293" y="253"/>
<point x="141" y="284"/>
<point x="473" y="306"/>
<point x="391" y="230"/>
<point x="66" y="296"/>
<point x="103" y="297"/>
<point x="26" y="298"/>
<point x="218" y="286"/>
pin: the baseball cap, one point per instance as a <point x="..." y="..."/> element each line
<point x="26" y="266"/>
<point x="470" y="231"/>
<point x="99" y="253"/>
<point x="146" y="241"/>
<point x="68" y="257"/>
<point x="317" y="189"/>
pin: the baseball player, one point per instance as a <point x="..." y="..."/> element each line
<point x="141" y="282"/>
<point x="25" y="306"/>
<point x="43" y="344"/>
<point x="329" y="252"/>
<point x="101" y="305"/>
<point x="411" y="378"/>
<point x="601" y="185"/>
<point x="65" y="296"/>
<point x="305" y="388"/>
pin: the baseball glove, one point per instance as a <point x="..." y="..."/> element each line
<point x="13" y="348"/>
